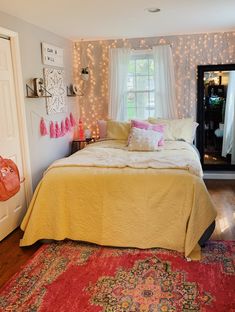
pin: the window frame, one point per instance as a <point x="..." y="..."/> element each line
<point x="148" y="55"/>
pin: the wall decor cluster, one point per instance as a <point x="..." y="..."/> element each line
<point x="54" y="81"/>
<point x="188" y="52"/>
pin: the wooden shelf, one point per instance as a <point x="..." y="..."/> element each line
<point x="36" y="96"/>
<point x="31" y="93"/>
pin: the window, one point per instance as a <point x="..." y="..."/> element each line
<point x="140" y="96"/>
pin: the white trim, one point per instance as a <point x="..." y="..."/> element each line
<point x="216" y="175"/>
<point x="17" y="71"/>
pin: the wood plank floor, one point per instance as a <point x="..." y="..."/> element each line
<point x="12" y="257"/>
<point x="223" y="196"/>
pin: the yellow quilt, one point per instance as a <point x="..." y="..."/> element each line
<point x="140" y="207"/>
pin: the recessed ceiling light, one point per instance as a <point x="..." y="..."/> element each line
<point x="153" y="10"/>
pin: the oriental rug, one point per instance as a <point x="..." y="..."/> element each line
<point x="72" y="276"/>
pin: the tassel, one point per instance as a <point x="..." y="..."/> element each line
<point x="43" y="127"/>
<point x="62" y="129"/>
<point x="52" y="130"/>
<point x="57" y="130"/>
<point x="72" y="120"/>
<point x="67" y="124"/>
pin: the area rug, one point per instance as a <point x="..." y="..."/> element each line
<point x="71" y="276"/>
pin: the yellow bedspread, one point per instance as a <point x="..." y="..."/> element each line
<point x="124" y="206"/>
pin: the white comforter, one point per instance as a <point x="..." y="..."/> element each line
<point x="114" y="154"/>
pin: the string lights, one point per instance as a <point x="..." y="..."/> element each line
<point x="188" y="52"/>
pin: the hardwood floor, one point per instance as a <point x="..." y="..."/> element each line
<point x="12" y="257"/>
<point x="223" y="196"/>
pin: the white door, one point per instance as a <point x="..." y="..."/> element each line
<point x="13" y="209"/>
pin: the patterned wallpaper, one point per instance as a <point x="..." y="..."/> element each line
<point x="188" y="52"/>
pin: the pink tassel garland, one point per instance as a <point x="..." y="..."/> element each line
<point x="43" y="127"/>
<point x="62" y="129"/>
<point x="67" y="124"/>
<point x="57" y="130"/>
<point x="52" y="130"/>
<point x="72" y="120"/>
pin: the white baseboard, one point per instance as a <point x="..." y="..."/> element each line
<point x="219" y="175"/>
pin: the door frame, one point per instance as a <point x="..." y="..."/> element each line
<point x="21" y="114"/>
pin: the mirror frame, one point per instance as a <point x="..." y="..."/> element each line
<point x="201" y="69"/>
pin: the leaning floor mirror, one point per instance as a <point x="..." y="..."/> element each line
<point x="216" y="116"/>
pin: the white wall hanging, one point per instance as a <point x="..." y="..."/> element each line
<point x="54" y="82"/>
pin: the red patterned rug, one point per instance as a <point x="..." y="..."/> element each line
<point x="71" y="276"/>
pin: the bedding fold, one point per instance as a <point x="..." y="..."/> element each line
<point x="114" y="154"/>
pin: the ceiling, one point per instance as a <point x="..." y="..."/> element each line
<point x="106" y="19"/>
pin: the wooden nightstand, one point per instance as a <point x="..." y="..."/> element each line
<point x="79" y="144"/>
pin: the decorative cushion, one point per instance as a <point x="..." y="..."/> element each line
<point x="148" y="126"/>
<point x="118" y="130"/>
<point x="195" y="125"/>
<point x="143" y="140"/>
<point x="177" y="129"/>
<point x="102" y="126"/>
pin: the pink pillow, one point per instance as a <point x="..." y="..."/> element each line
<point x="147" y="126"/>
<point x="102" y="126"/>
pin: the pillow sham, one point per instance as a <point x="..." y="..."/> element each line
<point x="148" y="126"/>
<point x="102" y="126"/>
<point x="177" y="129"/>
<point x="118" y="130"/>
<point x="143" y="140"/>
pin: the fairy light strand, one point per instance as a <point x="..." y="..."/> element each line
<point x="188" y="52"/>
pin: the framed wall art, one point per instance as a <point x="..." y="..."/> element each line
<point x="54" y="82"/>
<point x="52" y="55"/>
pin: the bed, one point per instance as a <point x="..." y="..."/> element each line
<point x="107" y="195"/>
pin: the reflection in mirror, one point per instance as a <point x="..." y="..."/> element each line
<point x="219" y="116"/>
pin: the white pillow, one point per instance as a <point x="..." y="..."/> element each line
<point x="102" y="126"/>
<point x="177" y="129"/>
<point x="143" y="140"/>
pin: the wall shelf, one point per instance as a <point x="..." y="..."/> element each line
<point x="38" y="90"/>
<point x="36" y="96"/>
<point x="73" y="91"/>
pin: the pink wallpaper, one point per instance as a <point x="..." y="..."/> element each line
<point x="188" y="52"/>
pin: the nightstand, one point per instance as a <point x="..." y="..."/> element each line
<point x="79" y="144"/>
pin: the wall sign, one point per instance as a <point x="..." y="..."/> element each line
<point x="52" y="55"/>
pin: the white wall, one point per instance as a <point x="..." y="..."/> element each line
<point x="43" y="150"/>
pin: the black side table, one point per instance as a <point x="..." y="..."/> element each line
<point x="79" y="144"/>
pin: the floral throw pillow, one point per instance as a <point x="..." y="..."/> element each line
<point x="148" y="126"/>
<point x="143" y="140"/>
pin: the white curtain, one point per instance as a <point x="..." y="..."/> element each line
<point x="165" y="96"/>
<point x="229" y="120"/>
<point x="118" y="75"/>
